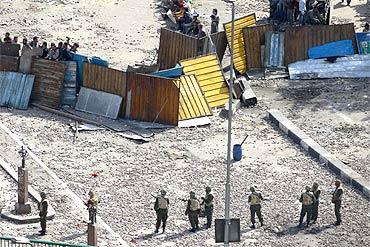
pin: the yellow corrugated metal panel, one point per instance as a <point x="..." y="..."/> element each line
<point x="192" y="103"/>
<point x="240" y="61"/>
<point x="210" y="78"/>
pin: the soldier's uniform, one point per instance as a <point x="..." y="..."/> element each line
<point x="43" y="207"/>
<point x="208" y="206"/>
<point x="254" y="200"/>
<point x="193" y="210"/>
<point x="307" y="199"/>
<point x="161" y="209"/>
<point x="92" y="205"/>
<point x="337" y="200"/>
<point x="315" y="207"/>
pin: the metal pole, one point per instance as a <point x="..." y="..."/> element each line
<point x="231" y="84"/>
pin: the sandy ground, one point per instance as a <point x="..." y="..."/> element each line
<point x="333" y="112"/>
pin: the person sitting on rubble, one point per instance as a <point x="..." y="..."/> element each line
<point x="60" y="50"/>
<point x="74" y="47"/>
<point x="184" y="22"/>
<point x="310" y="4"/>
<point x="215" y="20"/>
<point x="45" y="49"/>
<point x="290" y="10"/>
<point x="201" y="32"/>
<point x="273" y="9"/>
<point x="65" y="56"/>
<point x="314" y="17"/>
<point x="302" y="12"/>
<point x="25" y="45"/>
<point x="15" y="40"/>
<point x="35" y="42"/>
<point x="366" y="28"/>
<point x="53" y="53"/>
<point x="7" y="38"/>
<point x="194" y="25"/>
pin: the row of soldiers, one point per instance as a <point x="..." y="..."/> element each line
<point x="309" y="199"/>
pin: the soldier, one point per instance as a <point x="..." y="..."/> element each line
<point x="315" y="208"/>
<point x="254" y="200"/>
<point x="92" y="204"/>
<point x="337" y="200"/>
<point x="193" y="210"/>
<point x="208" y="206"/>
<point x="43" y="207"/>
<point x="161" y="209"/>
<point x="307" y="199"/>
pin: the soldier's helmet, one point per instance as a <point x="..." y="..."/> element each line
<point x="163" y="192"/>
<point x="308" y="188"/>
<point x="208" y="189"/>
<point x="337" y="183"/>
<point x="91" y="193"/>
<point x="252" y="189"/>
<point x="192" y="193"/>
<point x="43" y="194"/>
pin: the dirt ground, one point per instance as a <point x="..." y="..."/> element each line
<point x="335" y="113"/>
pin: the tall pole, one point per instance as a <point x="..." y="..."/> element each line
<point x="231" y="84"/>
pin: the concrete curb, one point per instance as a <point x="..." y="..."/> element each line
<point x="343" y="171"/>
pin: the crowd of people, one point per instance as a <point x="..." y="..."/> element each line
<point x="305" y="12"/>
<point x="187" y="19"/>
<point x="60" y="52"/>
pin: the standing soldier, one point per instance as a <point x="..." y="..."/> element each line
<point x="161" y="208"/>
<point x="92" y="204"/>
<point x="337" y="200"/>
<point x="315" y="208"/>
<point x="208" y="206"/>
<point x="43" y="207"/>
<point x="307" y="199"/>
<point x="193" y="210"/>
<point x="254" y="200"/>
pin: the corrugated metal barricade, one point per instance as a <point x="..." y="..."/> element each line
<point x="107" y="80"/>
<point x="240" y="62"/>
<point x="175" y="46"/>
<point x="69" y="84"/>
<point x="8" y="63"/>
<point x="254" y="38"/>
<point x="48" y="86"/>
<point x="152" y="99"/>
<point x="9" y="49"/>
<point x="303" y="38"/>
<point x="218" y="44"/>
<point x="274" y="49"/>
<point x="193" y="103"/>
<point x="15" y="89"/>
<point x="210" y="77"/>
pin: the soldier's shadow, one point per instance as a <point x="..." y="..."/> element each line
<point x="317" y="230"/>
<point x="293" y="230"/>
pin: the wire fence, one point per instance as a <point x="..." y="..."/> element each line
<point x="12" y="242"/>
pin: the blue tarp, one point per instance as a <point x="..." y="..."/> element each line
<point x="339" y="48"/>
<point x="15" y="89"/>
<point x="170" y="73"/>
<point x="363" y="43"/>
<point x="81" y="59"/>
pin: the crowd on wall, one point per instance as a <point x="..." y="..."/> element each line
<point x="311" y="12"/>
<point x="60" y="52"/>
<point x="187" y="19"/>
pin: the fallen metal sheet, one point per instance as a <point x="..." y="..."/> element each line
<point x="117" y="125"/>
<point x="356" y="66"/>
<point x="274" y="49"/>
<point x="133" y="136"/>
<point x="193" y="103"/>
<point x="210" y="77"/>
<point x="15" y="89"/>
<point x="86" y="127"/>
<point x="201" y="121"/>
<point x="339" y="48"/>
<point x="99" y="103"/>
